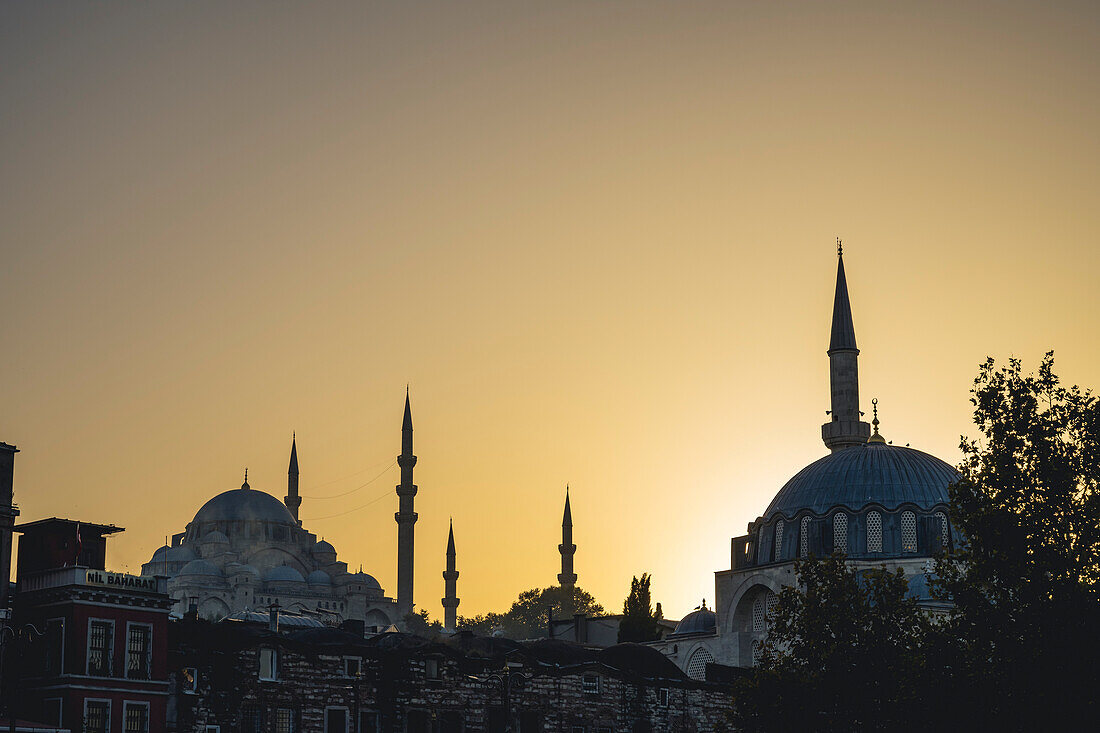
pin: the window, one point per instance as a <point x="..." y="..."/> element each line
<point x="757" y="652"/>
<point x="770" y="602"/>
<point x="874" y="532"/>
<point x="97" y="716"/>
<point x="189" y="680"/>
<point x="840" y="532"/>
<point x="530" y="721"/>
<point x="269" y="664"/>
<point x="431" y="669"/>
<point x="353" y="666"/>
<point x="697" y="663"/>
<point x="100" y="634"/>
<point x="139" y="651"/>
<point x="804" y="538"/>
<point x="285" y="720"/>
<point x="368" y="721"/>
<point x="662" y="697"/>
<point x="51" y="711"/>
<point x="945" y="530"/>
<point x="336" y="720"/>
<point x="452" y="721"/>
<point x="418" y="721"/>
<point x="135" y="717"/>
<point x="577" y="729"/>
<point x="758" y="612"/>
<point x="604" y="729"/>
<point x="250" y="719"/>
<point x="590" y="684"/>
<point x="778" y="539"/>
<point x="54" y="658"/>
<point x="213" y="729"/>
<point x="908" y="532"/>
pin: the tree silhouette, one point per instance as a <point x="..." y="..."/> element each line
<point x="638" y="622"/>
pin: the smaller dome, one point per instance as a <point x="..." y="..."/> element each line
<point x="365" y="579"/>
<point x="200" y="567"/>
<point x="160" y="555"/>
<point x="284" y="573"/>
<point x="215" y="536"/>
<point x="244" y="570"/>
<point x="699" y="621"/>
<point x="319" y="577"/>
<point x="323" y="548"/>
<point x="181" y="553"/>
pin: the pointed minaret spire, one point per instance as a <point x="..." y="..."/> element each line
<point x="845" y="429"/>
<point x="450" y="576"/>
<point x="567" y="579"/>
<point x="405" y="516"/>
<point x="293" y="501"/>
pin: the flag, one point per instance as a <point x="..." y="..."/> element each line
<point x="76" y="557"/>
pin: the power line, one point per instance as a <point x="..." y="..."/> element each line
<point x="357" y="488"/>
<point x="349" y="511"/>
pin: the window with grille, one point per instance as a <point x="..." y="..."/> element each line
<point x="778" y="539"/>
<point x="368" y="721"/>
<point x="945" y="530"/>
<point x="590" y="684"/>
<point x="758" y="614"/>
<point x="99" y="648"/>
<point x="697" y="663"/>
<point x="135" y="717"/>
<point x="97" y="716"/>
<point x="285" y="720"/>
<point x="250" y="719"/>
<point x="139" y="650"/>
<point x="336" y="720"/>
<point x="908" y="532"/>
<point x="757" y="652"/>
<point x="804" y="538"/>
<point x="55" y="647"/>
<point x="771" y="601"/>
<point x="840" y="532"/>
<point x="874" y="532"/>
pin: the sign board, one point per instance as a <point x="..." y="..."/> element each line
<point x="119" y="580"/>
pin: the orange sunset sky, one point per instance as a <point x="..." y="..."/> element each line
<point x="596" y="238"/>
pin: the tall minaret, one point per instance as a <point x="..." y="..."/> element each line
<point x="845" y="429"/>
<point x="293" y="501"/>
<point x="405" y="516"/>
<point x="8" y="513"/>
<point x="567" y="579"/>
<point x="450" y="576"/>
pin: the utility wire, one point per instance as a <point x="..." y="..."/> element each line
<point x="357" y="488"/>
<point x="375" y="500"/>
<point x="345" y="476"/>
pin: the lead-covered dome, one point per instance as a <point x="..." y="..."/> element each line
<point x="872" y="473"/>
<point x="700" y="621"/>
<point x="244" y="505"/>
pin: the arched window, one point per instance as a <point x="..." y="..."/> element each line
<point x="759" y="612"/>
<point x="874" y="532"/>
<point x="778" y="539"/>
<point x="945" y="530"/>
<point x="770" y="602"/>
<point x="760" y="544"/>
<point x="908" y="532"/>
<point x="757" y="652"/>
<point x="697" y="663"/>
<point x="804" y="538"/>
<point x="840" y="532"/>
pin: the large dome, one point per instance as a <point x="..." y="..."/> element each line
<point x="872" y="473"/>
<point x="246" y="505"/>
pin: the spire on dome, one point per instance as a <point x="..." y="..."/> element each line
<point x="245" y="484"/>
<point x="844" y="333"/>
<point x="875" y="438"/>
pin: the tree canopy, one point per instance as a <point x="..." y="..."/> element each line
<point x="526" y="619"/>
<point x="639" y="622"/>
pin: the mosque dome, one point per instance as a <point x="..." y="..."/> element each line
<point x="871" y="473"/>
<point x="365" y="579"/>
<point x="200" y="567"/>
<point x="319" y="577"/>
<point x="244" y="570"/>
<point x="323" y="548"/>
<point x="181" y="553"/>
<point x="284" y="573"/>
<point x="699" y="621"/>
<point x="215" y="537"/>
<point x="244" y="505"/>
<point x="160" y="555"/>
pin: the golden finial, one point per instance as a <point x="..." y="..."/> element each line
<point x="839" y="247"/>
<point x="876" y="438"/>
<point x="245" y="484"/>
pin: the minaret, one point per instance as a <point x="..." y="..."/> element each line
<point x="405" y="516"/>
<point x="293" y="501"/>
<point x="845" y="429"/>
<point x="450" y="576"/>
<point x="567" y="579"/>
<point x="8" y="513"/>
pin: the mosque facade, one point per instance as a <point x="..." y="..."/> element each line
<point x="246" y="550"/>
<point x="879" y="504"/>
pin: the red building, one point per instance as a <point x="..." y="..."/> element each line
<point x="96" y="658"/>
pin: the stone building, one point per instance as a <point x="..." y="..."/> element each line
<point x="245" y="549"/>
<point x="252" y="678"/>
<point x="877" y="503"/>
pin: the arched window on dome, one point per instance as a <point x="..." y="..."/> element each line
<point x="874" y="532"/>
<point x="697" y="663"/>
<point x="804" y="538"/>
<point x="908" y="532"/>
<point x="840" y="532"/>
<point x="778" y="539"/>
<point x="945" y="530"/>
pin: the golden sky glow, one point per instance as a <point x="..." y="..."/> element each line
<point x="595" y="238"/>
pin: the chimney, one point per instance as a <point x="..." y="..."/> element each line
<point x="580" y="627"/>
<point x="273" y="618"/>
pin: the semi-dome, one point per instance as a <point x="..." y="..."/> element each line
<point x="245" y="505"/>
<point x="323" y="548"/>
<point x="319" y="577"/>
<point x="871" y="473"/>
<point x="365" y="579"/>
<point x="200" y="567"/>
<point x="699" y="621"/>
<point x="284" y="573"/>
<point x="215" y="537"/>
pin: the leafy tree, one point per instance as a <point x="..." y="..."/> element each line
<point x="419" y="623"/>
<point x="1021" y="644"/>
<point x="638" y="622"/>
<point x="526" y="619"/>
<point x="843" y="648"/>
